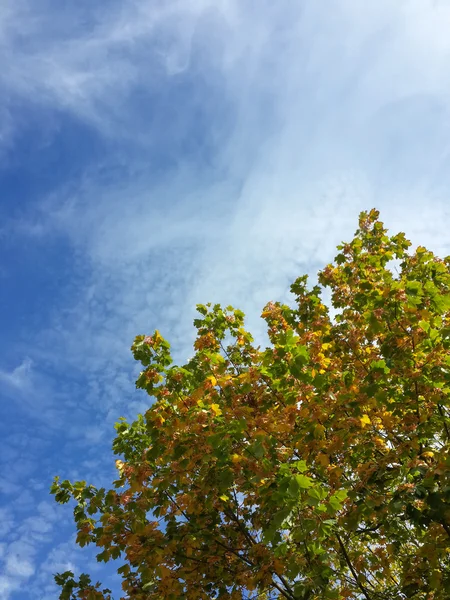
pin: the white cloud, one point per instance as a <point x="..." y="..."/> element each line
<point x="7" y="586"/>
<point x="6" y="522"/>
<point x="87" y="62"/>
<point x="7" y="487"/>
<point x="26" y="545"/>
<point x="19" y="377"/>
<point x="19" y="567"/>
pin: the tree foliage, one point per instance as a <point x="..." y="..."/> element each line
<point x="317" y="468"/>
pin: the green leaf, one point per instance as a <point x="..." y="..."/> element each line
<point x="341" y="495"/>
<point x="294" y="488"/>
<point x="379" y="366"/>
<point x="414" y="288"/>
<point x="300" y="465"/>
<point x="317" y="493"/>
<point x="257" y="450"/>
<point x="280" y="516"/>
<point x="424" y="325"/>
<point x="337" y="499"/>
<point x="215" y="440"/>
<point x="303" y="481"/>
<point x="226" y="478"/>
<point x="103" y="556"/>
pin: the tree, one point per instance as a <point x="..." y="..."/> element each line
<point x="316" y="468"/>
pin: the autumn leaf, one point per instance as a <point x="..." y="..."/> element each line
<point x="365" y="420"/>
<point x="216" y="409"/>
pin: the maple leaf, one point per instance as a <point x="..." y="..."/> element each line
<point x="216" y="409"/>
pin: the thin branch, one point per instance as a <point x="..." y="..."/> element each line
<point x="352" y="569"/>
<point x="444" y="420"/>
<point x="252" y="542"/>
<point x="237" y="369"/>
<point x="368" y="529"/>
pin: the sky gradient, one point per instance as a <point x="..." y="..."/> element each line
<point x="159" y="153"/>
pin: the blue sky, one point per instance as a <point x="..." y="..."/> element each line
<point x="155" y="154"/>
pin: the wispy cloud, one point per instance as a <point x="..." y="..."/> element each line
<point x="20" y="377"/>
<point x="22" y="561"/>
<point x="17" y="565"/>
<point x="326" y="110"/>
<point x="7" y="586"/>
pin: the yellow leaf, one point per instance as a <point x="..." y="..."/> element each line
<point x="364" y="420"/>
<point x="245" y="377"/>
<point x="216" y="409"/>
<point x="319" y="432"/>
<point x="197" y="393"/>
<point x="335" y="472"/>
<point x="235" y="458"/>
<point x="165" y="572"/>
<point x="135" y="486"/>
<point x="387" y="419"/>
<point x="212" y="379"/>
<point x="278" y="566"/>
<point x="379" y="441"/>
<point x="224" y="497"/>
<point x="323" y="460"/>
<point x="428" y="454"/>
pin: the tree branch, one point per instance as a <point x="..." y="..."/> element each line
<point x="352" y="569"/>
<point x="444" y="420"/>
